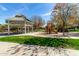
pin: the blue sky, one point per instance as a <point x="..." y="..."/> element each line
<point x="8" y="10"/>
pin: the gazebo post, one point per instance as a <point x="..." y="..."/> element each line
<point x="32" y="28"/>
<point x="28" y="28"/>
<point x="8" y="28"/>
<point x="25" y="27"/>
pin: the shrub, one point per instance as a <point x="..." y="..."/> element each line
<point x="53" y="42"/>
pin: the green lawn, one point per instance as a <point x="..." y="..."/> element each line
<point x="53" y="42"/>
<point x="40" y="30"/>
<point x="74" y="30"/>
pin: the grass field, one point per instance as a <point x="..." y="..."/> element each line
<point x="77" y="30"/>
<point x="53" y="42"/>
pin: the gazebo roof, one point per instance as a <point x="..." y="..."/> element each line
<point x="19" y="17"/>
<point x="16" y="19"/>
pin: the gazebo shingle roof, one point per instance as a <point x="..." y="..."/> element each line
<point x="19" y="17"/>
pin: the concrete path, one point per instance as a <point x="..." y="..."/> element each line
<point x="4" y="46"/>
<point x="73" y="35"/>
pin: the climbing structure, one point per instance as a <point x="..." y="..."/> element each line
<point x="50" y="28"/>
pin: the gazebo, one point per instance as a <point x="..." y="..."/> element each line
<point x="21" y="21"/>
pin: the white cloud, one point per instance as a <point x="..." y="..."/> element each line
<point x="3" y="8"/>
<point x="47" y="14"/>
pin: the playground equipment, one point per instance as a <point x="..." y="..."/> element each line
<point x="50" y="28"/>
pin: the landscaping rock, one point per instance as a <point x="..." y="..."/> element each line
<point x="9" y="49"/>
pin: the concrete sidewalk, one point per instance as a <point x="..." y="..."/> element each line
<point x="73" y="35"/>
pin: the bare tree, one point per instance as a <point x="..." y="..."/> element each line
<point x="37" y="21"/>
<point x="63" y="12"/>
